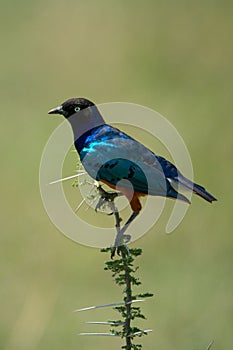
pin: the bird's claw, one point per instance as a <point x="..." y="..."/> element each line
<point x="115" y="250"/>
<point x="119" y="250"/>
<point x="122" y="247"/>
<point x="105" y="197"/>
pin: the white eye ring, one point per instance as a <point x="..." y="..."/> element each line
<point x="77" y="109"/>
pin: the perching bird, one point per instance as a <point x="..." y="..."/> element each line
<point x="113" y="157"/>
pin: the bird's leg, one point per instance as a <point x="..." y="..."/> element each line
<point x="118" y="224"/>
<point x="120" y="234"/>
<point x="121" y="239"/>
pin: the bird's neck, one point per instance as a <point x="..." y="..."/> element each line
<point x="85" y="120"/>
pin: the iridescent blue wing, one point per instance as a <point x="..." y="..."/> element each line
<point x="110" y="155"/>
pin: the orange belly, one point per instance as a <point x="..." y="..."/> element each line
<point x="133" y="197"/>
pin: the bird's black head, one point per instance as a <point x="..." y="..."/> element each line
<point x="71" y="106"/>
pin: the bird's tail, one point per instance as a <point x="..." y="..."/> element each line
<point x="200" y="191"/>
<point x="197" y="189"/>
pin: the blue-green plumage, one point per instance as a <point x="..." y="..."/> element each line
<point x="109" y="155"/>
<point x="115" y="158"/>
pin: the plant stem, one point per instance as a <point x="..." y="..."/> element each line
<point x="123" y="272"/>
<point x="128" y="300"/>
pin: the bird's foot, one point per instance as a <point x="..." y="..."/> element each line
<point x="121" y="250"/>
<point x="122" y="247"/>
<point x="105" y="198"/>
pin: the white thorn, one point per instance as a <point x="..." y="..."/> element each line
<point x="143" y="332"/>
<point x="66" y="178"/>
<point x="108" y="305"/>
<point x="101" y="334"/>
<point x="106" y="323"/>
<point x="210" y="344"/>
<point x="79" y="206"/>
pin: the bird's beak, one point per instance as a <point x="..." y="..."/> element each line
<point x="57" y="110"/>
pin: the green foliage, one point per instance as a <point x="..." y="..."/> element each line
<point x="123" y="271"/>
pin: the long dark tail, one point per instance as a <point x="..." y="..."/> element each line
<point x="174" y="177"/>
<point x="197" y="189"/>
<point x="200" y="191"/>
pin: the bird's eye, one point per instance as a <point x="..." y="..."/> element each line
<point x="77" y="109"/>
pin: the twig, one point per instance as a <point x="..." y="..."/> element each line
<point x="128" y="298"/>
<point x="123" y="273"/>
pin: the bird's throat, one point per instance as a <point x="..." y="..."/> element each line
<point x="84" y="121"/>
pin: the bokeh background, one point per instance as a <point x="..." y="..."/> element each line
<point x="174" y="57"/>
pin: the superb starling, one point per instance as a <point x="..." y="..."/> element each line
<point x="113" y="157"/>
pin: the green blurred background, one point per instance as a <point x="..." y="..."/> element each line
<point x="174" y="57"/>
